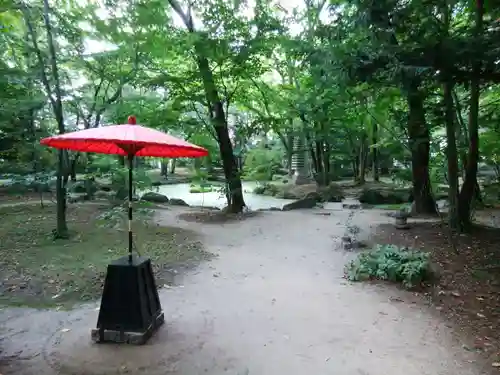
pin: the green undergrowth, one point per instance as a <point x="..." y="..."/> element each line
<point x="410" y="268"/>
<point x="39" y="271"/>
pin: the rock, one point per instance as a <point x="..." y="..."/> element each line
<point x="177" y="202"/>
<point x="383" y="196"/>
<point x="269" y="209"/>
<point x="77" y="197"/>
<point x="79" y="187"/>
<point x="282" y="171"/>
<point x="105" y="187"/>
<point x="314" y="195"/>
<point x="207" y="208"/>
<point x="351" y="206"/>
<point x="154" y="197"/>
<point x="121" y="194"/>
<point x="267" y="189"/>
<point x="331" y="193"/>
<point x="300" y="204"/>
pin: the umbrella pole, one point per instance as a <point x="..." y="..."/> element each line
<point x="130" y="240"/>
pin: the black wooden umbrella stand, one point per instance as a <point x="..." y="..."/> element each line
<point x="130" y="307"/>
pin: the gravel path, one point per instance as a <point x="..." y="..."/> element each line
<point x="273" y="302"/>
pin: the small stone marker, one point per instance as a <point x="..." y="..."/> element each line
<point x="401" y="220"/>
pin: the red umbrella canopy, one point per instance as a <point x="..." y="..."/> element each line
<point x="128" y="139"/>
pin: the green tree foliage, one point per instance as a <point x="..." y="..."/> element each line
<point x="377" y="88"/>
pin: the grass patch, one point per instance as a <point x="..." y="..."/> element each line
<point x="40" y="272"/>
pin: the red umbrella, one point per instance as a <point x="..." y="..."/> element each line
<point x="127" y="140"/>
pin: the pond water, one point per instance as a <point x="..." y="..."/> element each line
<point x="214" y="199"/>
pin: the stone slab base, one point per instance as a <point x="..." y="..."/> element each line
<point x="301" y="179"/>
<point x="133" y="338"/>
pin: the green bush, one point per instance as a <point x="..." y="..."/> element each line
<point x="119" y="181"/>
<point x="261" y="164"/>
<point x="391" y="263"/>
<point x="103" y="164"/>
<point x="401" y="175"/>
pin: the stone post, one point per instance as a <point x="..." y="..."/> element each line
<point x="300" y="162"/>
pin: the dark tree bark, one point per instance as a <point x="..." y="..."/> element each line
<point x="470" y="181"/>
<point x="419" y="141"/>
<point x="164" y="167"/>
<point x="362" y="159"/>
<point x="451" y="153"/>
<point x="234" y="192"/>
<point x="172" y="166"/>
<point x="55" y="97"/>
<point x="375" y="163"/>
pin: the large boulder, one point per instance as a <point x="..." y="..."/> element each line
<point x="154" y="197"/>
<point x="330" y="193"/>
<point x="177" y="202"/>
<point x="301" y="204"/>
<point x="122" y="194"/>
<point x="375" y="196"/>
<point x="85" y="186"/>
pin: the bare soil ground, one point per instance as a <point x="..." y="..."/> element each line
<point x="468" y="291"/>
<point x="273" y="301"/>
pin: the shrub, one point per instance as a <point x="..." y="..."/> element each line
<point x="267" y="189"/>
<point x="260" y="164"/>
<point x="103" y="164"/>
<point x="389" y="262"/>
<point x="119" y="181"/>
<point x="401" y="175"/>
<point x="202" y="188"/>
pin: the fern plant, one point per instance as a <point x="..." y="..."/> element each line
<point x="391" y="263"/>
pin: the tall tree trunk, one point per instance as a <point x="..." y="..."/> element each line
<point x="419" y="141"/>
<point x="451" y="153"/>
<point x="362" y="160"/>
<point x="55" y="97"/>
<point x="72" y="167"/>
<point x="289" y="152"/>
<point x="326" y="161"/>
<point x="470" y="180"/>
<point x="234" y="193"/>
<point x="375" y="163"/>
<point x="173" y="164"/>
<point x="355" y="168"/>
<point x="61" y="227"/>
<point x="164" y="167"/>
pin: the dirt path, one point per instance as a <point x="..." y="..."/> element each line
<point x="274" y="302"/>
